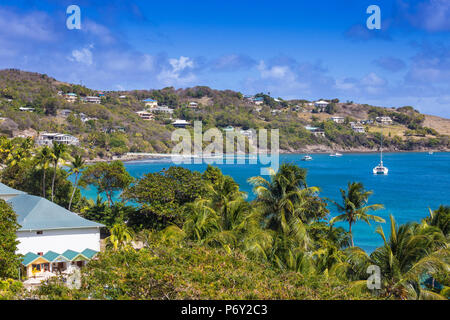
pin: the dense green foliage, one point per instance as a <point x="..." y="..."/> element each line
<point x="161" y="196"/>
<point x="107" y="177"/>
<point x="9" y="261"/>
<point x="36" y="171"/>
<point x="213" y="243"/>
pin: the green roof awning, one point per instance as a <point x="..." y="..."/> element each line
<point x="30" y="257"/>
<point x="74" y="256"/>
<point x="55" y="257"/>
<point x="67" y="256"/>
<point x="89" y="253"/>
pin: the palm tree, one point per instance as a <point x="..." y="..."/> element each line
<point x="6" y="149"/>
<point x="121" y="237"/>
<point x="76" y="167"/>
<point x="440" y="218"/>
<point x="411" y="252"/>
<point x="201" y="220"/>
<point x="59" y="151"/>
<point x="282" y="201"/>
<point x="20" y="152"/>
<point x="43" y="159"/>
<point x="354" y="207"/>
<point x="283" y="196"/>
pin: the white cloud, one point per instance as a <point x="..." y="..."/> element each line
<point x="179" y="65"/>
<point x="373" y="80"/>
<point x="276" y="71"/>
<point x="179" y="72"/>
<point x="34" y="26"/>
<point x="83" y="56"/>
<point x="100" y="33"/>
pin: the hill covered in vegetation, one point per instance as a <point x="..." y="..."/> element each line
<point x="114" y="128"/>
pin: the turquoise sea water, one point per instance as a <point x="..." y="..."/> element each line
<point x="416" y="181"/>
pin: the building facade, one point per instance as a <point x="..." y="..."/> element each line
<point x="46" y="227"/>
<point x="150" y="103"/>
<point x="47" y="139"/>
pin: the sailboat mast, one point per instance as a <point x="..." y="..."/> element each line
<point x="381" y="150"/>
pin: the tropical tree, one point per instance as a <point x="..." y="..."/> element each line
<point x="18" y="151"/>
<point x="355" y="208"/>
<point x="283" y="196"/>
<point x="440" y="218"/>
<point x="9" y="261"/>
<point x="43" y="159"/>
<point x="201" y="221"/>
<point x="411" y="253"/>
<point x="107" y="177"/>
<point x="120" y="238"/>
<point x="283" y="201"/>
<point x="76" y="166"/>
<point x="59" y="152"/>
<point x="161" y="196"/>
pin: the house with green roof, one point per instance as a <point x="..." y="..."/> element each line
<point x="46" y="227"/>
<point x="55" y="262"/>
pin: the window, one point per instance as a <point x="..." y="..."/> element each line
<point x="39" y="232"/>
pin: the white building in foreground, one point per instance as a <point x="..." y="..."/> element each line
<point x="47" y="229"/>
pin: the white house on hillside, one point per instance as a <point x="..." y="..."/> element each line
<point x="145" y="115"/>
<point x="28" y="109"/>
<point x="92" y="99"/>
<point x="162" y="109"/>
<point x="358" y="128"/>
<point x="321" y="105"/>
<point x="180" y="123"/>
<point x="150" y="103"/>
<point x="47" y="139"/>
<point x="384" y="120"/>
<point x="338" y="119"/>
<point x="70" y="97"/>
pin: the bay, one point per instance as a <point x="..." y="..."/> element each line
<point x="416" y="181"/>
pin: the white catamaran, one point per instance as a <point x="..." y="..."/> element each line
<point x="380" y="169"/>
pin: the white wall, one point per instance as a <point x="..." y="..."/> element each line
<point x="58" y="240"/>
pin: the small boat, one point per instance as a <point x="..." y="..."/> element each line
<point x="430" y="152"/>
<point x="307" y="158"/>
<point x="380" y="169"/>
<point x="336" y="154"/>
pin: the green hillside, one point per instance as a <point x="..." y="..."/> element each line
<point x="117" y="129"/>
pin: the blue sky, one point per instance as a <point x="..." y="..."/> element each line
<point x="292" y="49"/>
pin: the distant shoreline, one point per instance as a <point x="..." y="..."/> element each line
<point x="167" y="156"/>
